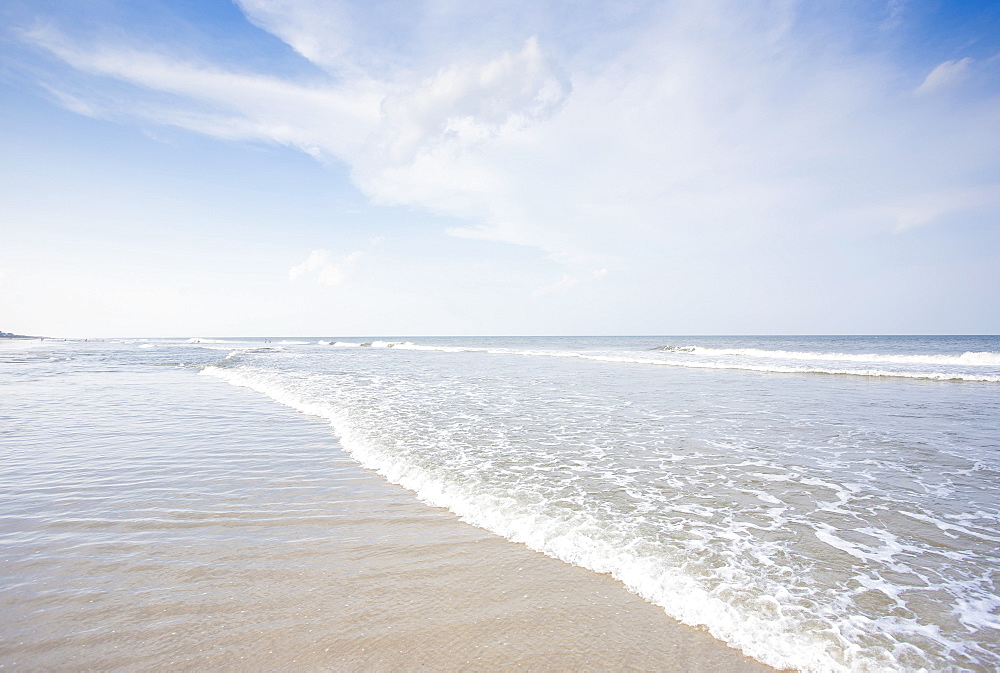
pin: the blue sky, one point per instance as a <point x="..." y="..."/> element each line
<point x="319" y="167"/>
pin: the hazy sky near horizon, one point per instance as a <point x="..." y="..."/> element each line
<point x="321" y="167"/>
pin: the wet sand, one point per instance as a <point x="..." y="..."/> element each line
<point x="172" y="521"/>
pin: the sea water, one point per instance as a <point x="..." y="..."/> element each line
<point x="821" y="503"/>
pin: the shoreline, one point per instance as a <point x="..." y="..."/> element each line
<point x="275" y="549"/>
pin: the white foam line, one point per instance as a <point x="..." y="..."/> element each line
<point x="945" y="527"/>
<point x="773" y="641"/>
<point x="774" y="369"/>
<point x="976" y="359"/>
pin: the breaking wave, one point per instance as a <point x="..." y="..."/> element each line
<point x="758" y="360"/>
<point x="974" y="359"/>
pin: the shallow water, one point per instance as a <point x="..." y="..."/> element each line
<point x="821" y="503"/>
<point x="155" y="519"/>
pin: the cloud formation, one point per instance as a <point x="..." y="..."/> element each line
<point x="678" y="130"/>
<point x="324" y="270"/>
<point x="945" y="75"/>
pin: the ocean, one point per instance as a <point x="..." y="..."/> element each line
<point x="816" y="503"/>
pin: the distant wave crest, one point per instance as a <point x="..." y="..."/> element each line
<point x="758" y="360"/>
<point x="977" y="359"/>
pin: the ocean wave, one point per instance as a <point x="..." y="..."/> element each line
<point x="406" y="345"/>
<point x="251" y="349"/>
<point x="651" y="358"/>
<point x="766" y="634"/>
<point x="969" y="358"/>
<point x="780" y="369"/>
<point x="553" y="469"/>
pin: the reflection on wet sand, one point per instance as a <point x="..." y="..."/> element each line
<point x="171" y="521"/>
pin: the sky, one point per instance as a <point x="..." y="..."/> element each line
<point x="435" y="167"/>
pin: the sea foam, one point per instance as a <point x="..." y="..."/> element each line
<point x="773" y="625"/>
<point x="758" y="360"/>
<point x="816" y="523"/>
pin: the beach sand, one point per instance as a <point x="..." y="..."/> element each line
<point x="167" y="520"/>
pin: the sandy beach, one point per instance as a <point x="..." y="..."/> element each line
<point x="171" y="521"/>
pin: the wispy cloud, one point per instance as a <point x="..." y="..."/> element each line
<point x="321" y="267"/>
<point x="946" y="75"/>
<point x="221" y="103"/>
<point x="319" y="30"/>
<point x="699" y="122"/>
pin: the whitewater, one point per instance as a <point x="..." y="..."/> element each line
<point x="820" y="503"/>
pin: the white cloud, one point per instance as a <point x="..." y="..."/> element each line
<point x="229" y="105"/>
<point x="702" y="126"/>
<point x="948" y="74"/>
<point x="319" y="30"/>
<point x="469" y="104"/>
<point x="316" y="259"/>
<point x="407" y="143"/>
<point x="319" y="266"/>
